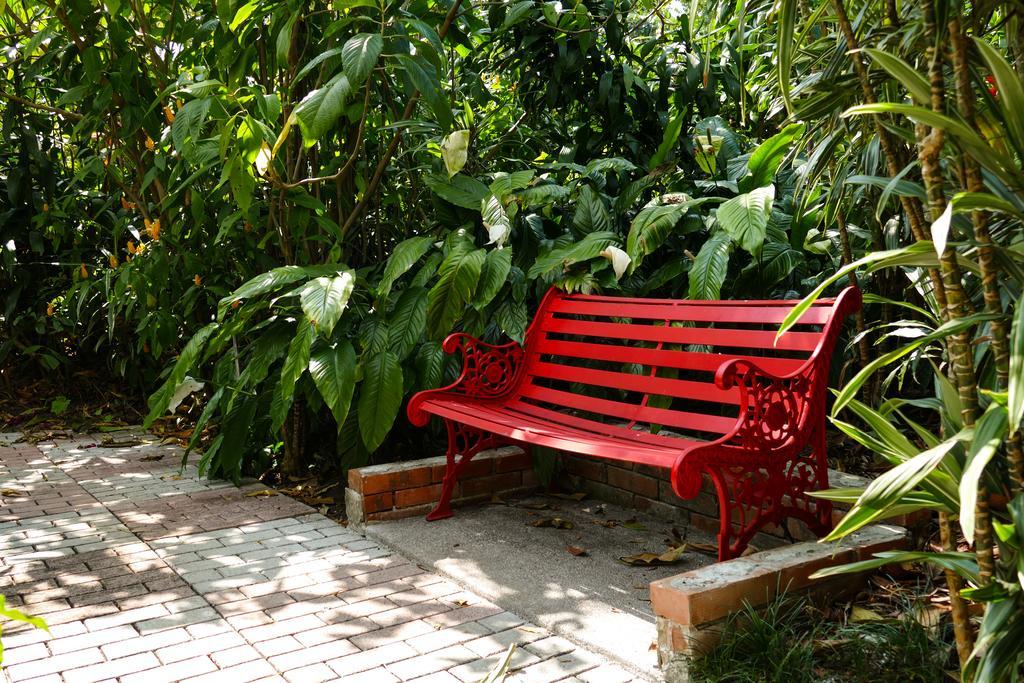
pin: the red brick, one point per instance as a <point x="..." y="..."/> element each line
<point x="631" y="481"/>
<point x="513" y="462"/>
<point x="477" y="468"/>
<point x="493" y="484"/>
<point x="417" y="496"/>
<point x="411" y="478"/>
<point x="377" y="502"/>
<point x="355" y="480"/>
<point x="586" y="468"/>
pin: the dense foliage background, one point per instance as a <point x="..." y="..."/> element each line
<point x="269" y="214"/>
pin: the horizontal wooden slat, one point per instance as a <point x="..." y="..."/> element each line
<point x="709" y="336"/>
<point x="677" y="311"/>
<point x="664" y="358"/>
<point x="629" y="411"/>
<point x="644" y="384"/>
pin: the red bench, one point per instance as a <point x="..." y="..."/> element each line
<point x="696" y="387"/>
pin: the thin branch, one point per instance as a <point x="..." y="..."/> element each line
<point x="44" y="107"/>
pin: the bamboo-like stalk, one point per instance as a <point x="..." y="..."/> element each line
<point x="911" y="206"/>
<point x="986" y="249"/>
<point x="930" y="144"/>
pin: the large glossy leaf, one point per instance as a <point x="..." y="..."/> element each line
<point x="408" y="321"/>
<point x="320" y="109"/>
<point x="785" y="48"/>
<point x="764" y="162"/>
<point x="295" y="364"/>
<point x="512" y="318"/>
<point x="964" y="202"/>
<point x="505" y="184"/>
<point x="404" y="256"/>
<point x="457" y="281"/>
<point x="560" y="258"/>
<point x="380" y="397"/>
<point x="188" y="357"/>
<point x="669" y="138"/>
<point x="460" y="190"/>
<point x="324" y="299"/>
<point x="275" y="279"/>
<point x="963" y="564"/>
<point x="359" y="56"/>
<point x="591" y="213"/>
<point x="710" y="267"/>
<point x="654" y="223"/>
<point x="745" y="218"/>
<point x="333" y="369"/>
<point x="492" y="277"/>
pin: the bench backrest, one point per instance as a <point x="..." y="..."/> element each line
<point x="651" y="362"/>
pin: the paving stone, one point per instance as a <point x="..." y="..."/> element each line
<point x="146" y="575"/>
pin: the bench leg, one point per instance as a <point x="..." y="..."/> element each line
<point x="463" y="443"/>
<point x="748" y="500"/>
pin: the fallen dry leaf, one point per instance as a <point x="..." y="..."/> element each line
<point x="860" y="614"/>
<point x="151" y="458"/>
<point x="576" y="550"/>
<point x="535" y="506"/>
<point x="553" y="522"/>
<point x="929" y="616"/>
<point x="670" y="556"/>
<point x="634" y="525"/>
<point x="264" y="493"/>
<point x="12" y="493"/>
<point x="607" y="523"/>
<point x="579" y="495"/>
<point x="709" y="548"/>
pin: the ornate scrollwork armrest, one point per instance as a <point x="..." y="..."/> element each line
<point x="773" y="407"/>
<point x="489" y="371"/>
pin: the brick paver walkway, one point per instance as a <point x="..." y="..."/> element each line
<point x="146" y="573"/>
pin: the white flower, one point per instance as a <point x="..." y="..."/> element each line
<point x="620" y="260"/>
<point x="454" y="151"/>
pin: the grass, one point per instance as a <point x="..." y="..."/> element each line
<point x="789" y="641"/>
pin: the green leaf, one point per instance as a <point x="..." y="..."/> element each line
<point x="889" y="487"/>
<point x="512" y="317"/>
<point x="460" y="190"/>
<point x="990" y="432"/>
<point x="965" y="202"/>
<point x="324" y="299"/>
<point x="745" y="218"/>
<point x="710" y="267"/>
<point x="380" y="397"/>
<point x="457" y="281"/>
<point x="275" y="279"/>
<point x="1015" y="402"/>
<point x="161" y="398"/>
<point x="1010" y="89"/>
<point x="492" y="277"/>
<point x="333" y="369"/>
<point x="764" y="162"/>
<point x="966" y="137"/>
<point x="430" y="364"/>
<point x="561" y="258"/>
<point x="785" y="47"/>
<point x="317" y="61"/>
<point x="505" y="184"/>
<point x="319" y="110"/>
<point x="654" y="223"/>
<point x="403" y="257"/>
<point x="541" y="194"/>
<point x="591" y="213"/>
<point x="295" y="364"/>
<point x="408" y="321"/>
<point x="961" y="563"/>
<point x="669" y="139"/>
<point x="359" y="56"/>
<point x="916" y="84"/>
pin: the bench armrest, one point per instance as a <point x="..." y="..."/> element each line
<point x="773" y="414"/>
<point x="489" y="371"/>
<point x="773" y="408"/>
